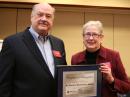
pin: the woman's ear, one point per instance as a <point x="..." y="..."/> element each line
<point x="101" y="37"/>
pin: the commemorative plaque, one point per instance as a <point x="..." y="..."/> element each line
<point x="79" y="81"/>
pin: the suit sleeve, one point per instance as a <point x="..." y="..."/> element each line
<point x="6" y="69"/>
<point x="122" y="84"/>
<point x="72" y="60"/>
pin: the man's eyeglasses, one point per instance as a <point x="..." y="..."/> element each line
<point x="89" y="34"/>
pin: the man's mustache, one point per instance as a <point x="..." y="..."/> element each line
<point x="43" y="22"/>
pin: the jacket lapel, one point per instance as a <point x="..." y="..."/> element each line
<point x="54" y="51"/>
<point x="31" y="44"/>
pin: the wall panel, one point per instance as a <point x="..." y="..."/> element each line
<point x="68" y="26"/>
<point x="23" y="20"/>
<point x="7" y="22"/>
<point x="122" y="38"/>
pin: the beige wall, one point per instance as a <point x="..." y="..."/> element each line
<point x="68" y="26"/>
<point x="23" y="19"/>
<point x="108" y="3"/>
<point x="122" y="38"/>
<point x="7" y="21"/>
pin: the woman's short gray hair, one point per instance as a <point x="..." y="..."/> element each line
<point x="97" y="24"/>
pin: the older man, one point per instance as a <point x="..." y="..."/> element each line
<point x="28" y="59"/>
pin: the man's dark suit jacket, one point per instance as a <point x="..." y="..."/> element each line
<point x="122" y="84"/>
<point x="23" y="71"/>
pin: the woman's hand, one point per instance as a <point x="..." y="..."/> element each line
<point x="105" y="68"/>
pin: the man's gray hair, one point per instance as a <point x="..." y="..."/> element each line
<point x="47" y="4"/>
